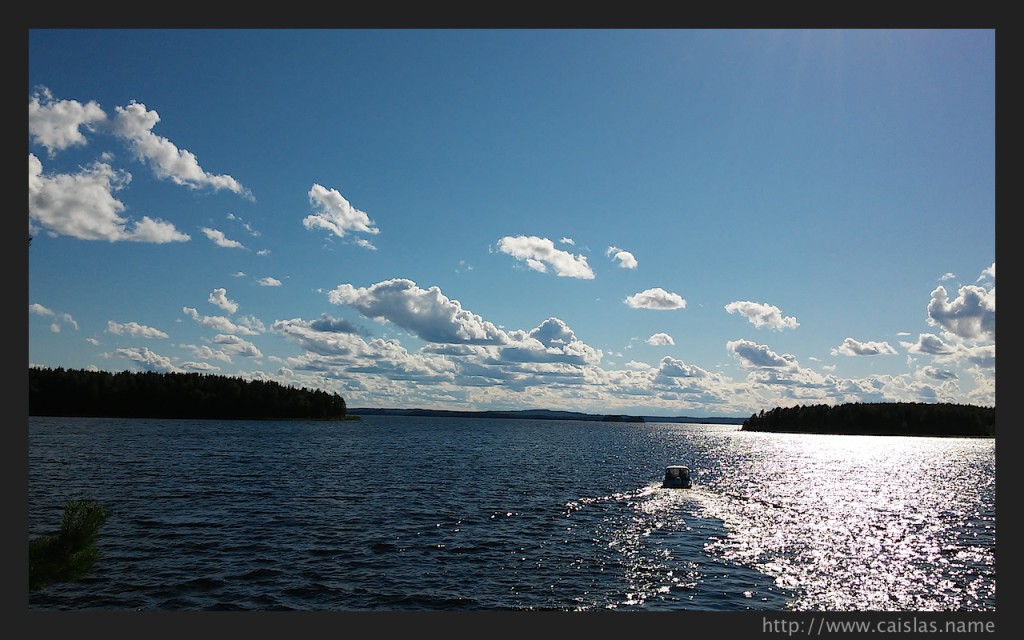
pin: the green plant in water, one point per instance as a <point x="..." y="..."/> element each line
<point x="70" y="553"/>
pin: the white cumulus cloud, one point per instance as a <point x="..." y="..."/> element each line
<point x="222" y="324"/>
<point x="427" y="313"/>
<point x="234" y="345"/>
<point x="970" y="316"/>
<point x="625" y="259"/>
<point x="673" y="368"/>
<point x="220" y="239"/>
<point x="540" y="253"/>
<point x="751" y="354"/>
<point x="551" y="342"/>
<point x="57" y="125"/>
<point x="656" y="298"/>
<point x="58" y="316"/>
<point x="134" y="329"/>
<point x="660" y="339"/>
<point x="851" y="347"/>
<point x="149" y="360"/>
<point x="219" y="297"/>
<point x="82" y="205"/>
<point x="762" y="315"/>
<point x="134" y="123"/>
<point x="335" y="214"/>
<point x="929" y="344"/>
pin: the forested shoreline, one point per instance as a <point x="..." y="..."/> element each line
<point x="128" y="394"/>
<point x="879" y="418"/>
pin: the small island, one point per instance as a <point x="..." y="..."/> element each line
<point x="879" y="418"/>
<point x="622" y="418"/>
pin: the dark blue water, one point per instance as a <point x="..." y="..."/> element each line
<point x="400" y="513"/>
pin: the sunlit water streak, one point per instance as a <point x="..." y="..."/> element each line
<point x="468" y="514"/>
<point x="862" y="522"/>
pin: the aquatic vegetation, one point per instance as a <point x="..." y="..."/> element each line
<point x="70" y="553"/>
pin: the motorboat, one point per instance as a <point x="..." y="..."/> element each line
<point x="677" y="476"/>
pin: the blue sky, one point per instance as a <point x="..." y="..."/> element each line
<point x="660" y="222"/>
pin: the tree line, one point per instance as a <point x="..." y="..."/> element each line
<point x="881" y="418"/>
<point x="128" y="394"/>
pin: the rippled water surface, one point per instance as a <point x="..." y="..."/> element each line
<point x="400" y="513"/>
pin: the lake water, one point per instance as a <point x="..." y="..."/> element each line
<point x="403" y="513"/>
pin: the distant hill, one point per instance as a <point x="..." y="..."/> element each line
<point x="84" y="393"/>
<point x="879" y="418"/>
<point x="536" y="414"/>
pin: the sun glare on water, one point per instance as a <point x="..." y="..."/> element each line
<point x="855" y="523"/>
